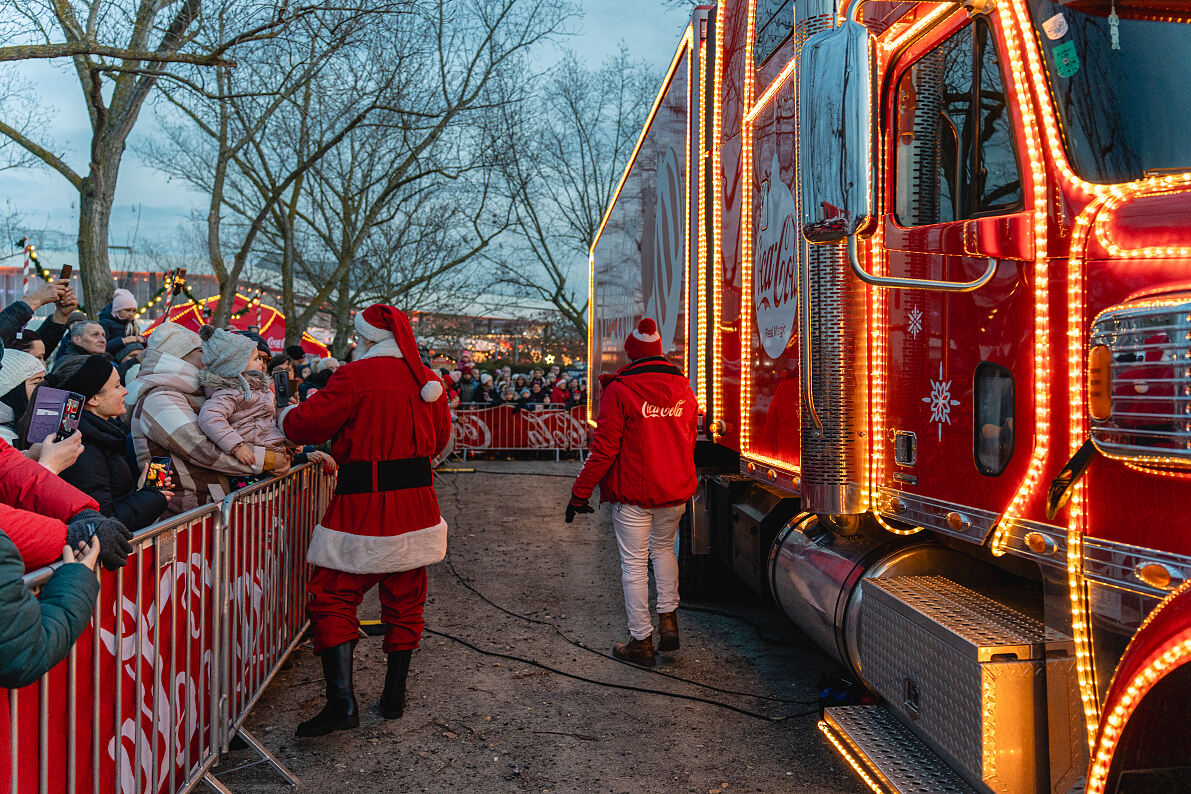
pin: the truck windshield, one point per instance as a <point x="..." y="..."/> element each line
<point x="1117" y="69"/>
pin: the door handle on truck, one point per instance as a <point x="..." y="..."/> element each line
<point x="917" y="283"/>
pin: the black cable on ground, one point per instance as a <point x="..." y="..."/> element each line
<point x="579" y="644"/>
<point x="627" y="687"/>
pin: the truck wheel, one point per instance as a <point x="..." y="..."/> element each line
<point x="700" y="577"/>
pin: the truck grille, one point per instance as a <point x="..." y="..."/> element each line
<point x="1150" y="348"/>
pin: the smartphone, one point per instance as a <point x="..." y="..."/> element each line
<point x="159" y="469"/>
<point x="66" y="271"/>
<point x="281" y="387"/>
<point x="55" y="412"/>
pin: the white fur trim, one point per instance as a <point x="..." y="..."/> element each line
<point x="385" y="347"/>
<point x="432" y="390"/>
<point x="646" y="337"/>
<point x="368" y="331"/>
<point x="281" y="418"/>
<point x="343" y="551"/>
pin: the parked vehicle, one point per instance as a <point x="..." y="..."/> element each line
<point x="926" y="266"/>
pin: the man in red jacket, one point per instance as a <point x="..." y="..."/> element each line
<point x="385" y="421"/>
<point x="643" y="458"/>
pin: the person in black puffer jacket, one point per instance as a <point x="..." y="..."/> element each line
<point x="103" y="471"/>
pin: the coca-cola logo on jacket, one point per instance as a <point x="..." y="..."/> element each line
<point x="664" y="288"/>
<point x="651" y="411"/>
<point x="775" y="271"/>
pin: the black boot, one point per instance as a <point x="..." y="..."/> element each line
<point x="392" y="700"/>
<point x="341" y="711"/>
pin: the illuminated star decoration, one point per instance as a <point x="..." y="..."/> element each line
<point x="940" y="401"/>
<point x="915" y="322"/>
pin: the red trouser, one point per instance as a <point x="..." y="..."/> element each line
<point x="335" y="595"/>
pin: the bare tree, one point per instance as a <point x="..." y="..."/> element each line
<point x="422" y="163"/>
<point x="120" y="51"/>
<point x="227" y="143"/>
<point x="585" y="128"/>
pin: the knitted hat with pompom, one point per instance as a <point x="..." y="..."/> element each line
<point x="227" y="354"/>
<point x="644" y="341"/>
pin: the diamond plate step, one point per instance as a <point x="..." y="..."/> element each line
<point x="886" y="754"/>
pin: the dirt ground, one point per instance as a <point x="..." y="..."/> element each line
<point x="480" y="722"/>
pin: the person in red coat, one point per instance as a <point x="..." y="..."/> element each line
<point x="643" y="458"/>
<point x="385" y="420"/>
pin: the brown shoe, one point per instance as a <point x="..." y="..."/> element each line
<point x="636" y="651"/>
<point x="668" y="631"/>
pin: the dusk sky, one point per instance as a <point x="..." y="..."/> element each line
<point x="650" y="29"/>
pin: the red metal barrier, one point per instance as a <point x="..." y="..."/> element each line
<point x="504" y="428"/>
<point x="183" y="641"/>
<point x="148" y="675"/>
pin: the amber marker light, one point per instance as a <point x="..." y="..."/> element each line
<point x="1100" y="382"/>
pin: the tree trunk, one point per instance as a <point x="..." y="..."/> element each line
<point x="95" y="212"/>
<point x="343" y="316"/>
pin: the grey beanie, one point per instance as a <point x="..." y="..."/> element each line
<point x="226" y="354"/>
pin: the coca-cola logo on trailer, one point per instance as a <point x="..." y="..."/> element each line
<point x="775" y="271"/>
<point x="664" y="293"/>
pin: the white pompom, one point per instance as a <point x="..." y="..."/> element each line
<point x="432" y="390"/>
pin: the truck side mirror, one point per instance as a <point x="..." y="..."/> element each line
<point x="835" y="129"/>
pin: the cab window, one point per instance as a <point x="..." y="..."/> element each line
<point x="954" y="151"/>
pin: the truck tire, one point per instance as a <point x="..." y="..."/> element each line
<point x="700" y="576"/>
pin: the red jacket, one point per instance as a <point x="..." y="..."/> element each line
<point x="371" y="410"/>
<point x="35" y="505"/>
<point x="643" y="449"/>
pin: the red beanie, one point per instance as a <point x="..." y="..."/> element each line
<point x="379" y="323"/>
<point x="644" y="341"/>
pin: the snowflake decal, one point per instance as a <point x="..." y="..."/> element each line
<point x="915" y="322"/>
<point x="940" y="401"/>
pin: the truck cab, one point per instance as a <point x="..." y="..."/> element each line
<point x="938" y="316"/>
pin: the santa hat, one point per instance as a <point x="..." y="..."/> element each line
<point x="379" y="323"/>
<point x="644" y="341"/>
<point x="122" y="299"/>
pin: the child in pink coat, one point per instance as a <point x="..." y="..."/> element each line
<point x="240" y="411"/>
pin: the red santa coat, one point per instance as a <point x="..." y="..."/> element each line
<point x="371" y="410"/>
<point x="643" y="449"/>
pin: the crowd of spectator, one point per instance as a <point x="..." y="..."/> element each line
<point x="205" y="401"/>
<point x="537" y="389"/>
<point x="200" y="406"/>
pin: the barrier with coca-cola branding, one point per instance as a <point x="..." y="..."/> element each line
<point x="182" y="642"/>
<point x="504" y="428"/>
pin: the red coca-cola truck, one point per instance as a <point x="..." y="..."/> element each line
<point x="928" y="266"/>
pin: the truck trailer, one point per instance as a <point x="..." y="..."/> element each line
<point x="928" y="268"/>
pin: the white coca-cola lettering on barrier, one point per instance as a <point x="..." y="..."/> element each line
<point x="651" y="411"/>
<point x="668" y="235"/>
<point x="775" y="274"/>
<point x="471" y="431"/>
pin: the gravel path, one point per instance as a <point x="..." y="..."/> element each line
<point x="479" y="722"/>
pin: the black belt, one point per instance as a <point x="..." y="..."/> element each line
<point x="391" y="475"/>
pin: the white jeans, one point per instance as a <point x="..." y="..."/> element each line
<point x="645" y="534"/>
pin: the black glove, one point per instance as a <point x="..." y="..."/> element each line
<point x="577" y="505"/>
<point x="114" y="537"/>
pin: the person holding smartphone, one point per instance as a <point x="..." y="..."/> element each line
<point x="102" y="470"/>
<point x="38" y="632"/>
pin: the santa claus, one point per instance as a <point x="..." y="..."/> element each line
<point x="385" y="420"/>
